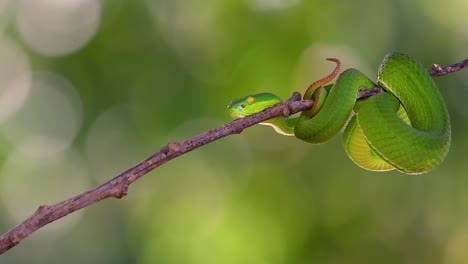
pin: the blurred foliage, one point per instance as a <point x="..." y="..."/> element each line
<point x="161" y="70"/>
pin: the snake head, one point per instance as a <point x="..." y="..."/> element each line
<point x="251" y="104"/>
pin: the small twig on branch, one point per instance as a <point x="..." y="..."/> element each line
<point x="117" y="187"/>
<point x="436" y="70"/>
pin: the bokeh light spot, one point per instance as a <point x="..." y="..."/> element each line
<point x="456" y="247"/>
<point x="265" y="5"/>
<point x="198" y="39"/>
<point x="247" y="236"/>
<point x="55" y="27"/>
<point x="5" y="13"/>
<point x="312" y="65"/>
<point x="50" y="118"/>
<point x="112" y="144"/>
<point x="27" y="182"/>
<point x="15" y="78"/>
<point x="448" y="16"/>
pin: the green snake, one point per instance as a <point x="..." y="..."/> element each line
<point x="407" y="127"/>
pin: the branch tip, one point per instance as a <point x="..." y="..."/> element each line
<point x="436" y="68"/>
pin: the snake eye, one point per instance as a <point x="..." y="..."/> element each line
<point x="250" y="100"/>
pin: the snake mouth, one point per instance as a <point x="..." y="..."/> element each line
<point x="235" y="113"/>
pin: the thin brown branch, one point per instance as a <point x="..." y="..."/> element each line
<point x="117" y="187"/>
<point x="436" y="70"/>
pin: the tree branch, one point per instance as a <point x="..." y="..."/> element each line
<point x="436" y="70"/>
<point x="117" y="187"/>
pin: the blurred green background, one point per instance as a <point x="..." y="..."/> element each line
<point x="88" y="88"/>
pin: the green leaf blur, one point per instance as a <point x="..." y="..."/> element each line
<point x="110" y="82"/>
